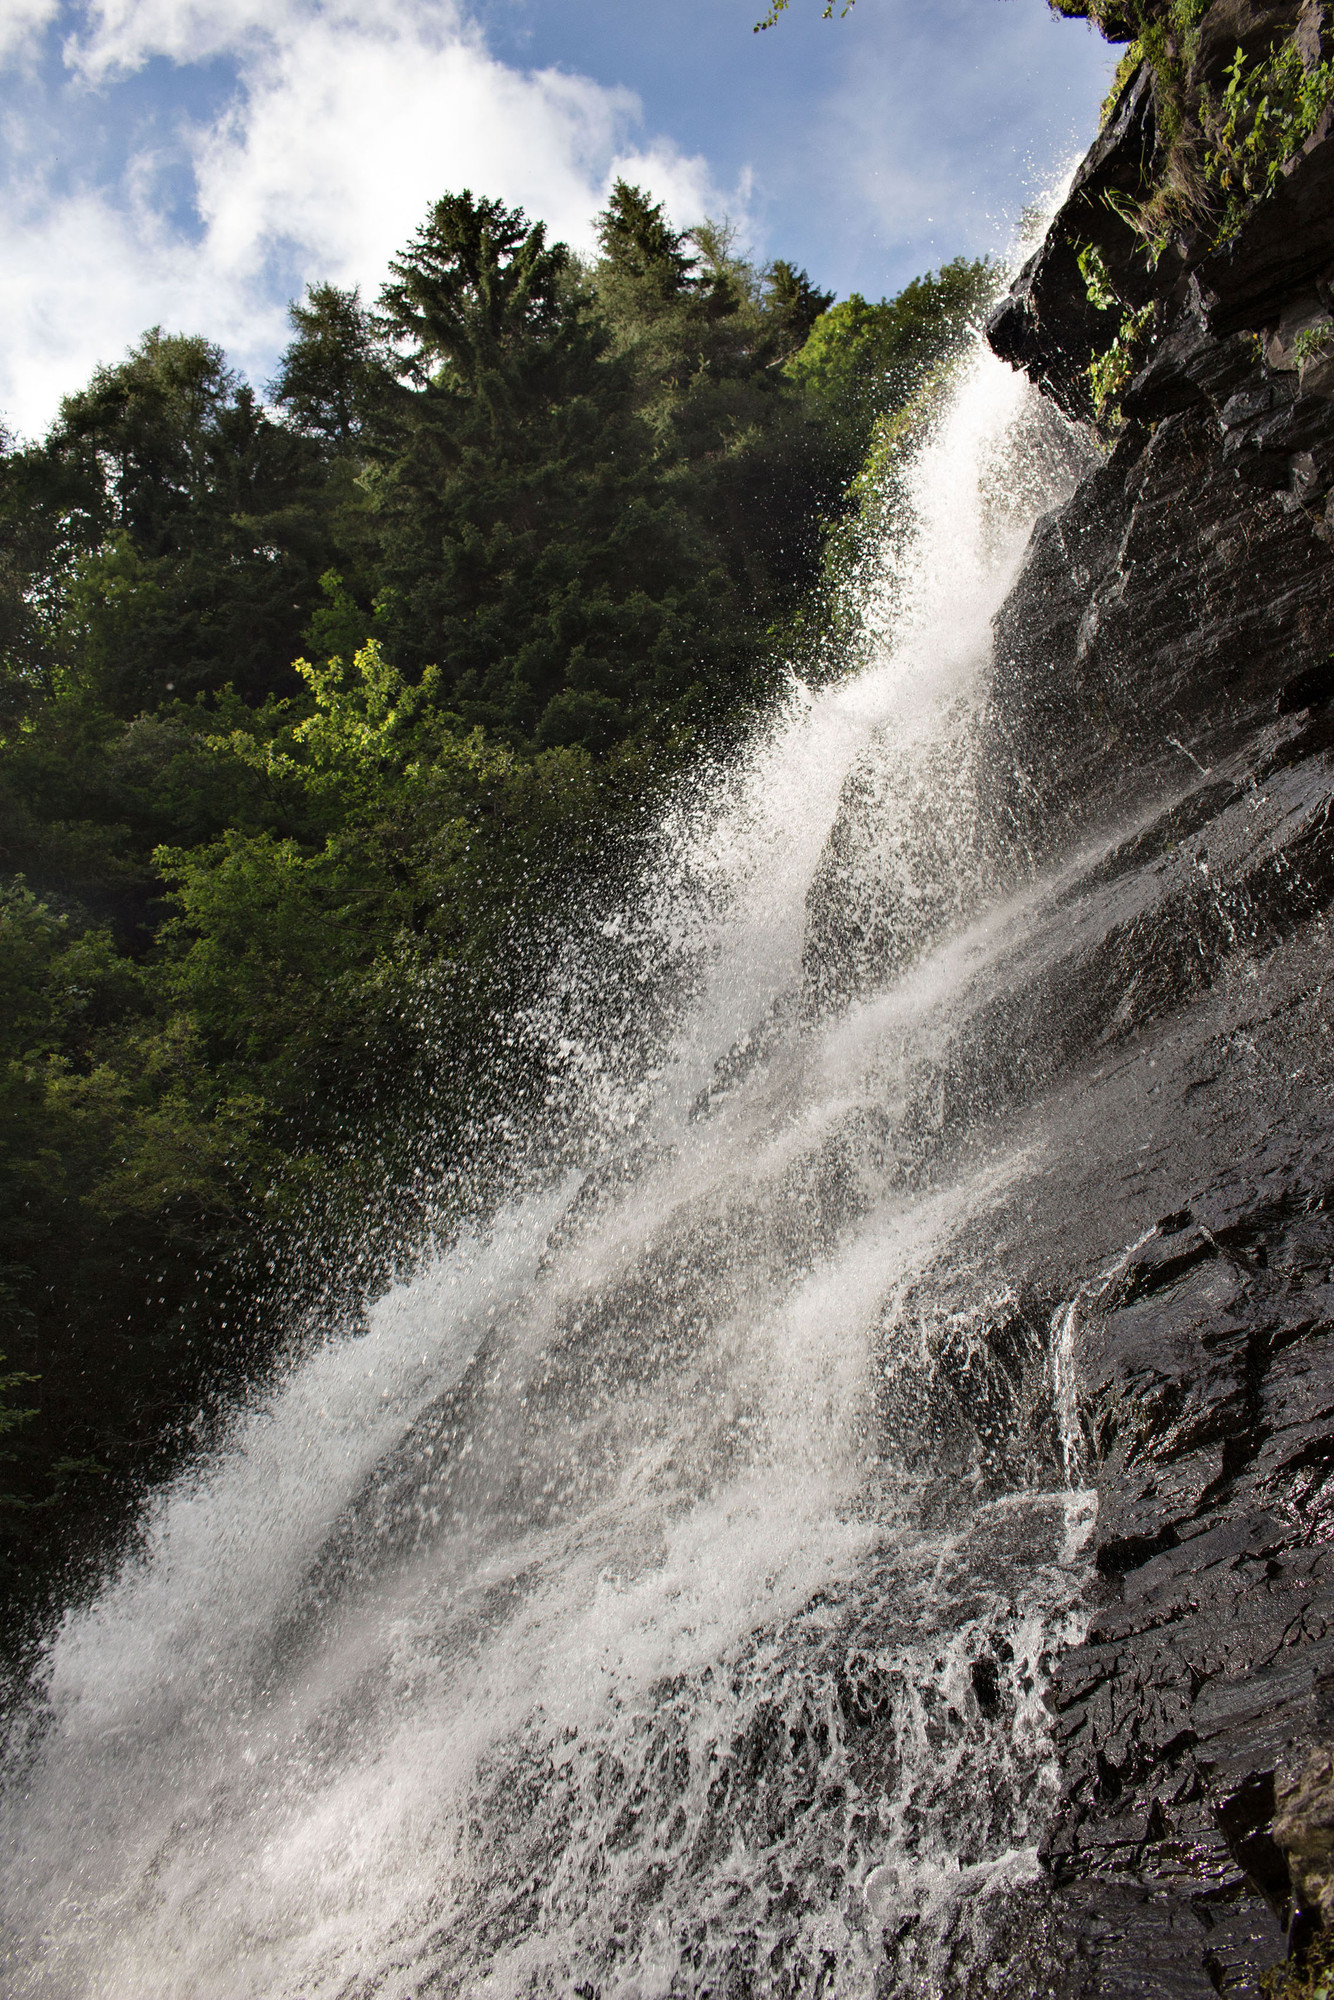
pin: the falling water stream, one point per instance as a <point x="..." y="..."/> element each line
<point x="591" y="1620"/>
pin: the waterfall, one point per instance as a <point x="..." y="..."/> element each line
<point x="654" y="1596"/>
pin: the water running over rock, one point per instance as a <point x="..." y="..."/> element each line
<point x="658" y="1595"/>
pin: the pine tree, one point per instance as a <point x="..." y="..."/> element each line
<point x="333" y="379"/>
<point x="532" y="549"/>
<point x="793" y="304"/>
<point x="174" y="533"/>
<point x="646" y="269"/>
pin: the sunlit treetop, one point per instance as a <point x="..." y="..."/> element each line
<point x="1117" y="19"/>
<point x="780" y="6"/>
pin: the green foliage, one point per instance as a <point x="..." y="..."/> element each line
<point x="1311" y="341"/>
<point x="750" y="456"/>
<point x="11" y="1418"/>
<point x="1114" y="18"/>
<point x="1214" y="157"/>
<point x="1098" y="286"/>
<point x="170" y="534"/>
<point x="780" y="7"/>
<point x="536" y="544"/>
<point x="477" y="287"/>
<point x="863" y="361"/>
<point x="118" y="1180"/>
<point x="646" y="267"/>
<point x="1111" y="368"/>
<point x="1110" y="372"/>
<point x="1268" y="109"/>
<point x="794" y="304"/>
<point x="1308" y="1977"/>
<point x="1130" y="61"/>
<point x="313" y="719"/>
<point x="334" y="380"/>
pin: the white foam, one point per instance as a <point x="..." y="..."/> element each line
<point x="233" y="1798"/>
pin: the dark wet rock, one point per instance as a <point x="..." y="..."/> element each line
<point x="1168" y="650"/>
<point x="1047" y="325"/>
<point x="1178" y="1224"/>
<point x="1190" y="580"/>
<point x="1148" y="1307"/>
<point x="1161" y="615"/>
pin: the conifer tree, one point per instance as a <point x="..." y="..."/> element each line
<point x="532" y="551"/>
<point x="646" y="269"/>
<point x="183" y="529"/>
<point x="793" y="304"/>
<point x="333" y="379"/>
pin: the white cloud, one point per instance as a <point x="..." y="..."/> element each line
<point x="346" y="123"/>
<point x="21" y="24"/>
<point x="121" y="35"/>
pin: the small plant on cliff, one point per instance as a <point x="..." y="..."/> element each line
<point x="1267" y="111"/>
<point x="1109" y="371"/>
<point x="1311" y="341"/>
<point x="1310" y="1977"/>
<point x="1234" y="146"/>
<point x="1098" y="286"/>
<point x="1166" y="37"/>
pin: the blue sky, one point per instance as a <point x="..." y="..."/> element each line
<point x="194" y="163"/>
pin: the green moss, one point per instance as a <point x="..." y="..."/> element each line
<point x="1310" y="1977"/>
<point x="1125" y="69"/>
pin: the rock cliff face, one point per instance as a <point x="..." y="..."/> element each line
<point x="1184" y="594"/>
<point x="1169" y="642"/>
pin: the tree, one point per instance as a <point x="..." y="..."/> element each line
<point x="646" y="269"/>
<point x="333" y="379"/>
<point x="172" y="535"/>
<point x="794" y="305"/>
<point x="704" y="333"/>
<point x="479" y="287"/>
<point x="863" y="360"/>
<point x="540" y="527"/>
<point x="533" y="549"/>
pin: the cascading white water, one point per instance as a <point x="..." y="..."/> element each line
<point x="532" y="1639"/>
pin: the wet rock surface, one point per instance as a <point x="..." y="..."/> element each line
<point x="1163" y="616"/>
<point x="1210" y="1385"/>
<point x="1185" y="593"/>
<point x="1177" y="1230"/>
<point x="1174" y="1234"/>
<point x="1171" y="634"/>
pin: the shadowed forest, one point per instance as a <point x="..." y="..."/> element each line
<point x="316" y="710"/>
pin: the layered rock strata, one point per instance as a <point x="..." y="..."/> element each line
<point x="1170" y="642"/>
